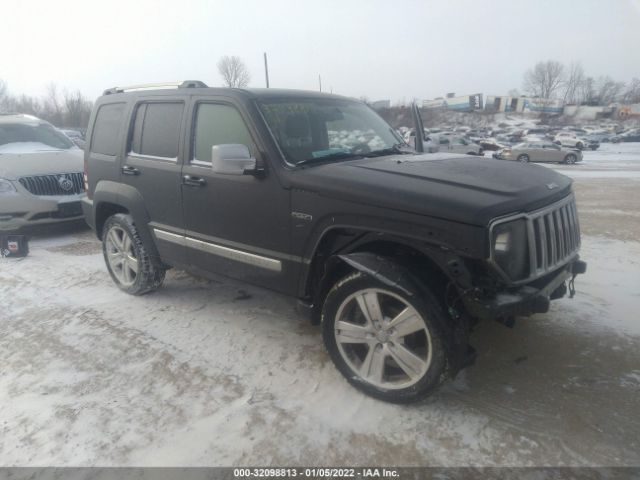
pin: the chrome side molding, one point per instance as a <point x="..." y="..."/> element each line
<point x="220" y="250"/>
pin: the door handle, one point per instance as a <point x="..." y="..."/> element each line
<point x="127" y="170"/>
<point x="193" y="181"/>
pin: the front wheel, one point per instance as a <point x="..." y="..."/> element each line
<point x="131" y="267"/>
<point x="385" y="342"/>
<point x="524" y="158"/>
<point x="570" y="159"/>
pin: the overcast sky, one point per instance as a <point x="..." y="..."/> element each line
<point x="380" y="49"/>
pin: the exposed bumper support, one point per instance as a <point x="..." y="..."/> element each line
<point x="526" y="300"/>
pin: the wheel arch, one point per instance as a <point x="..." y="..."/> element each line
<point x="110" y="198"/>
<point x="344" y="250"/>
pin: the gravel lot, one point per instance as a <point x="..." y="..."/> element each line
<point x="219" y="373"/>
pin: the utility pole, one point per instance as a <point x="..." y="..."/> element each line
<point x="320" y="82"/>
<point x="266" y="69"/>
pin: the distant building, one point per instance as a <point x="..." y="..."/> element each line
<point x="543" y="105"/>
<point x="464" y="103"/>
<point x="503" y="103"/>
<point x="506" y="104"/>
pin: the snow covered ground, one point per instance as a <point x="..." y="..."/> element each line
<point x="220" y="373"/>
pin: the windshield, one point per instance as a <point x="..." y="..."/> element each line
<point x="326" y="128"/>
<point x="25" y="138"/>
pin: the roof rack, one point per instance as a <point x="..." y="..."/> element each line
<point x="144" y="86"/>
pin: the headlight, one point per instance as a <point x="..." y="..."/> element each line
<point x="509" y="248"/>
<point x="6" y="186"/>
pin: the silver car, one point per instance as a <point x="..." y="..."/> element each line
<point x="457" y="144"/>
<point x="540" y="152"/>
<point x="41" y="174"/>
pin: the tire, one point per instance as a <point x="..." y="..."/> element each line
<point x="579" y="145"/>
<point x="524" y="158"/>
<point x="382" y="346"/>
<point x="131" y="267"/>
<point x="570" y="159"/>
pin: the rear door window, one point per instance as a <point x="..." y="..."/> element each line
<point x="156" y="129"/>
<point x="106" y="129"/>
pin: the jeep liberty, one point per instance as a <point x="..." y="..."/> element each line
<point x="395" y="253"/>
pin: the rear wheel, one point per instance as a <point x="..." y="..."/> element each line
<point x="131" y="267"/>
<point x="570" y="159"/>
<point x="524" y="158"/>
<point x="385" y="342"/>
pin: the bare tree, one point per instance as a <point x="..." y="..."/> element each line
<point x="544" y="79"/>
<point x="588" y="91"/>
<point x="632" y="92"/>
<point x="607" y="90"/>
<point x="233" y="71"/>
<point x="27" y="104"/>
<point x="3" y="95"/>
<point x="572" y="83"/>
<point x="52" y="108"/>
<point x="76" y="109"/>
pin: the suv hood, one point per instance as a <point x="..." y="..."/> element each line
<point x="465" y="189"/>
<point x="15" y="165"/>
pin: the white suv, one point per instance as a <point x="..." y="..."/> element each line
<point x="41" y="173"/>
<point x="569" y="139"/>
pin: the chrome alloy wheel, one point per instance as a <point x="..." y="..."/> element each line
<point x="121" y="255"/>
<point x="383" y="339"/>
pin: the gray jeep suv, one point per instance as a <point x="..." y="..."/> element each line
<point x="397" y="254"/>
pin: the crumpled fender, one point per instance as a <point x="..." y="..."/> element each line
<point x="380" y="268"/>
<point x="460" y="353"/>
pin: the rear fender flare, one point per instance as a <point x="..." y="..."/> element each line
<point x="130" y="199"/>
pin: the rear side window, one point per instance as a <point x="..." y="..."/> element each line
<point x="156" y="129"/>
<point x="218" y="124"/>
<point x="106" y="129"/>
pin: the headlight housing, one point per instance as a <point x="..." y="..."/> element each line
<point x="6" y="186"/>
<point x="510" y="249"/>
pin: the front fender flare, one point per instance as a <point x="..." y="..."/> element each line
<point x="380" y="268"/>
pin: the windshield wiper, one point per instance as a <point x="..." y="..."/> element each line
<point x="332" y="156"/>
<point x="395" y="149"/>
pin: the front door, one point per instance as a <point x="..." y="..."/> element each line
<point x="152" y="166"/>
<point x="236" y="225"/>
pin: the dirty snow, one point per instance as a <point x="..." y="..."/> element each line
<point x="221" y="373"/>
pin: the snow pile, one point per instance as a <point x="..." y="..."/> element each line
<point x="350" y="139"/>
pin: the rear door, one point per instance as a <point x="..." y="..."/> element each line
<point x="550" y="152"/>
<point x="152" y="166"/>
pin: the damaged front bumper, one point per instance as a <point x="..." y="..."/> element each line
<point x="525" y="300"/>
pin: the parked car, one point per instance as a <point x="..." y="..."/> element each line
<point x="569" y="139"/>
<point x="491" y="144"/>
<point x="456" y="144"/>
<point x="40" y="174"/>
<point x="395" y="253"/>
<point x="540" y="152"/>
<point x="429" y="145"/>
<point x="75" y="136"/>
<point x="599" y="138"/>
<point x="629" y="136"/>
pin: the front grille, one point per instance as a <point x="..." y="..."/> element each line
<point x="58" y="184"/>
<point x="554" y="236"/>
